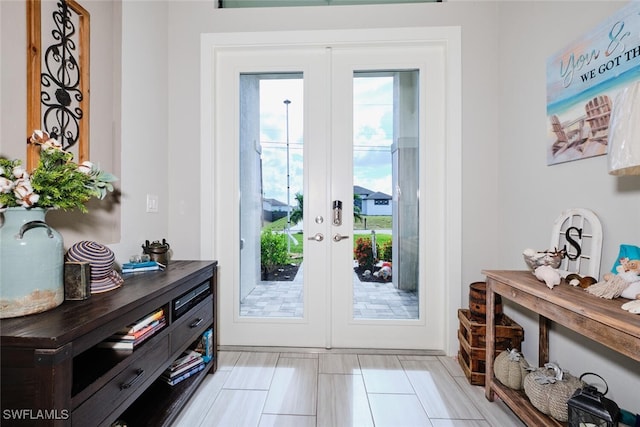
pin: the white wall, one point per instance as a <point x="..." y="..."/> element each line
<point x="532" y="195"/>
<point x="146" y="165"/>
<point x="13" y="82"/>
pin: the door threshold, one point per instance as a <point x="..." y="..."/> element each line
<point x="319" y="350"/>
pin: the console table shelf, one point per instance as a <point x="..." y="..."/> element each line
<point x="599" y="319"/>
<point x="52" y="362"/>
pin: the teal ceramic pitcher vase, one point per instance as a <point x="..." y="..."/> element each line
<point x="31" y="263"/>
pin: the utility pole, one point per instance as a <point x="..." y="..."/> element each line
<point x="287" y="102"/>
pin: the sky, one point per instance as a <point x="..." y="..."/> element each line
<point x="373" y="131"/>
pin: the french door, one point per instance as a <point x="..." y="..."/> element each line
<point x="328" y="159"/>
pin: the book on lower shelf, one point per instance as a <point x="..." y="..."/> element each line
<point x="184" y="375"/>
<point x="189" y="363"/>
<point x="187" y="360"/>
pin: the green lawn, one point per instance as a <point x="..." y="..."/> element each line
<point x="382" y="222"/>
<point x="277" y="225"/>
<point x="373" y="223"/>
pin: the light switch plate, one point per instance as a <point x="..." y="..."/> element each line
<point x="152" y="203"/>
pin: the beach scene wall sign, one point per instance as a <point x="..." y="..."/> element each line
<point x="583" y="80"/>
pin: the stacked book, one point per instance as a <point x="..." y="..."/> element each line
<point x="188" y="364"/>
<point x="135" y="334"/>
<point x="135" y="267"/>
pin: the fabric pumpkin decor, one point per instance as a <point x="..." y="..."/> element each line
<point x="548" y="388"/>
<point x="510" y="368"/>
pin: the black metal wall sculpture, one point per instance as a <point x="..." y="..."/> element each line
<point x="61" y="93"/>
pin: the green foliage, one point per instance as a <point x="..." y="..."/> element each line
<point x="279" y="224"/>
<point x="7" y="198"/>
<point x="387" y="251"/>
<point x="57" y="182"/>
<point x="363" y="253"/>
<point x="273" y="250"/>
<point x="296" y="213"/>
<point x="357" y="211"/>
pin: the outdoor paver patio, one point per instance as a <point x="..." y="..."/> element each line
<point x="372" y="300"/>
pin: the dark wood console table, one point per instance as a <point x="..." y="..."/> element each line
<point x="55" y="372"/>
<point x="600" y="319"/>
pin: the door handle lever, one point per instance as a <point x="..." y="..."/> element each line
<point x="318" y="237"/>
<point x="337" y="237"/>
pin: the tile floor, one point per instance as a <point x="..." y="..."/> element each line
<point x="372" y="300"/>
<point x="332" y="389"/>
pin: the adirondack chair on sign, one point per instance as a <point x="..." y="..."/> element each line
<point x="598" y="115"/>
<point x="563" y="139"/>
<point x="580" y="232"/>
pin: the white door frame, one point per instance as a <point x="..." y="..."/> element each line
<point x="447" y="37"/>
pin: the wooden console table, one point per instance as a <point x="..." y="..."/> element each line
<point x="600" y="319"/>
<point x="55" y="372"/>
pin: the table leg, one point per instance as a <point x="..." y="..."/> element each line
<point x="490" y="341"/>
<point x="543" y="340"/>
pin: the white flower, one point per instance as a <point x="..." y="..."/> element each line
<point x="20" y="173"/>
<point x="42" y="138"/>
<point x="30" y="200"/>
<point x="24" y="193"/>
<point x="6" y="185"/>
<point x="86" y="167"/>
<point x="39" y="136"/>
<point x="51" y="144"/>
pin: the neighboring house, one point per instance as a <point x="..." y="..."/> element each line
<point x="273" y="209"/>
<point x="363" y="193"/>
<point x="372" y="202"/>
<point x="376" y="204"/>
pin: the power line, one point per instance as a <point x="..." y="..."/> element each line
<point x="301" y="144"/>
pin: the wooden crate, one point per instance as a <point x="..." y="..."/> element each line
<point x="472" y="337"/>
<point x="475" y="332"/>
<point x="475" y="378"/>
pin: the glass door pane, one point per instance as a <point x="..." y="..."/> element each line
<point x="385" y="176"/>
<point x="271" y="201"/>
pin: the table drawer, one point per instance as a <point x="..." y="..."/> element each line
<point x="190" y="326"/>
<point x="138" y="374"/>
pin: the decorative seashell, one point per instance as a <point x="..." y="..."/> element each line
<point x="573" y="276"/>
<point x="535" y="259"/>
<point x="548" y="274"/>
<point x="587" y="281"/>
<point x="577" y="280"/>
